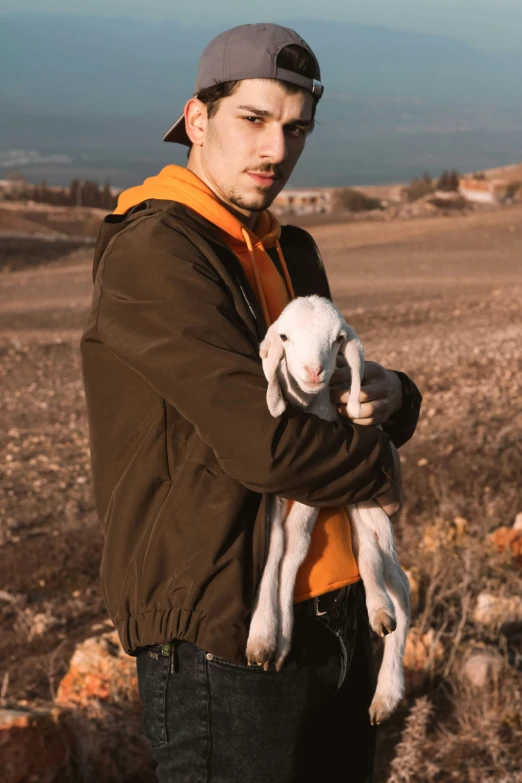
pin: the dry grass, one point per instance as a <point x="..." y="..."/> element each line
<point x="440" y="299"/>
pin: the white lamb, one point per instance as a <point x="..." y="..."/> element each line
<point x="299" y="356"/>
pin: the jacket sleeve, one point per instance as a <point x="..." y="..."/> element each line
<point x="166" y="313"/>
<point x="401" y="426"/>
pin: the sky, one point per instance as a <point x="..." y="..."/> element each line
<point x="485" y="24"/>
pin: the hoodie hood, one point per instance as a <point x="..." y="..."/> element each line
<point x="176" y="183"/>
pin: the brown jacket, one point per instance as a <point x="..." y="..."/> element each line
<point x="184" y="450"/>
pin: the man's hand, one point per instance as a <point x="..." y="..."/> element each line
<point x="381" y="392"/>
<point x="381" y="397"/>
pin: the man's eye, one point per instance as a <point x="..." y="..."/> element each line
<point x="295" y="130"/>
<point x="256" y="119"/>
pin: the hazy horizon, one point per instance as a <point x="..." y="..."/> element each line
<point x="90" y="96"/>
<point x="476" y="22"/>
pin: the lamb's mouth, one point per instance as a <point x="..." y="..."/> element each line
<point x="312" y="388"/>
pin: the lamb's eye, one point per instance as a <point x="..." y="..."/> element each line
<point x="340" y="338"/>
<point x="283" y="337"/>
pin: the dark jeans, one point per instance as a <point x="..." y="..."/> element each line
<point x="209" y="720"/>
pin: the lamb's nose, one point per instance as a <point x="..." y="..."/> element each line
<point x="313" y="372"/>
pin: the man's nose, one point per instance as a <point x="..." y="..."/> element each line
<point x="274" y="145"/>
<point x="313" y="372"/>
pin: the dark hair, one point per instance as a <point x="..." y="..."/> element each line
<point x="292" y="58"/>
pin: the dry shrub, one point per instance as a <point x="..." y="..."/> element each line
<point x="482" y="741"/>
<point x="356" y="201"/>
<point x="476" y="733"/>
<point x="409" y="764"/>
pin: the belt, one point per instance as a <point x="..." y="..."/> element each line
<point x="328" y="603"/>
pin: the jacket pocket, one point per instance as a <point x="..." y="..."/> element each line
<point x="153" y="680"/>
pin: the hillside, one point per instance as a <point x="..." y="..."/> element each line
<point x="439" y="299"/>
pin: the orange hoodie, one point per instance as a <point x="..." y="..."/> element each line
<point x="330" y="562"/>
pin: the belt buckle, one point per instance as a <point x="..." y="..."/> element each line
<point x="316" y="607"/>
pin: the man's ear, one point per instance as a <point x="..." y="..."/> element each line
<point x="271" y="352"/>
<point x="352" y="349"/>
<point x="196" y="121"/>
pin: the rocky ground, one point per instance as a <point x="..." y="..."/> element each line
<point x="439" y="299"/>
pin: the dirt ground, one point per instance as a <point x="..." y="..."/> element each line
<point x="437" y="298"/>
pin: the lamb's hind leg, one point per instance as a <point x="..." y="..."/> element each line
<point x="380" y="607"/>
<point x="390" y="683"/>
<point x="298" y="528"/>
<point x="262" y="636"/>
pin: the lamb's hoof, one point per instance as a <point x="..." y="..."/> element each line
<point x="381" y="708"/>
<point x="383" y="622"/>
<point x="280" y="660"/>
<point x="260" y="655"/>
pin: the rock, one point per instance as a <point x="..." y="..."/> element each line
<point x="483" y="667"/>
<point x="100" y="694"/>
<point x="110" y="744"/>
<point x="496" y="611"/>
<point x="99" y="672"/>
<point x="420" y="654"/>
<point x="413" y="579"/>
<point x="508" y="538"/>
<point x="34" y="745"/>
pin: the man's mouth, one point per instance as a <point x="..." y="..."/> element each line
<point x="262" y="179"/>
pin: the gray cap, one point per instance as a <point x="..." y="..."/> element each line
<point x="247" y="52"/>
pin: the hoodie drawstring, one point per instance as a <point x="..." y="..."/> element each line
<point x="285" y="270"/>
<point x="286" y="275"/>
<point x="257" y="276"/>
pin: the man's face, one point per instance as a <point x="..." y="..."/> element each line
<point x="252" y="143"/>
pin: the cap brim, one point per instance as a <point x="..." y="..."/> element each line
<point x="177" y="133"/>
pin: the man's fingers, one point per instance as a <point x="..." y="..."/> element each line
<point x="364" y="422"/>
<point x="367" y="409"/>
<point x="370" y="393"/>
<point x="341" y="375"/>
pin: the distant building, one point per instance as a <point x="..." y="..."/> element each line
<point x="12" y="187"/>
<point x="302" y="202"/>
<point x="487" y="191"/>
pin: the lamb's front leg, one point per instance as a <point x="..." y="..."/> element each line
<point x="262" y="636"/>
<point x="298" y="528"/>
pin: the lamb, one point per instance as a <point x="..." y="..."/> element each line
<point x="299" y="356"/>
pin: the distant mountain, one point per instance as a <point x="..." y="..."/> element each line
<point x="103" y="91"/>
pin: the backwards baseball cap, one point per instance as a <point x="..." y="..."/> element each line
<point x="247" y="52"/>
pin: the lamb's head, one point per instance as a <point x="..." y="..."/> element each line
<point x="307" y="337"/>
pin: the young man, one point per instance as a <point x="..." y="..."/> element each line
<point x="188" y="274"/>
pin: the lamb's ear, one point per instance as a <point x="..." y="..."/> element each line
<point x="271" y="352"/>
<point x="353" y="352"/>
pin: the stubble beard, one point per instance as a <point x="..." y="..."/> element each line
<point x="252" y="204"/>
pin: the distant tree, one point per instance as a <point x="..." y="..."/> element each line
<point x="420" y="187"/>
<point x="454" y="179"/>
<point x="74" y="192"/>
<point x="355" y="201"/>
<point x="107" y="199"/>
<point x="448" y="181"/>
